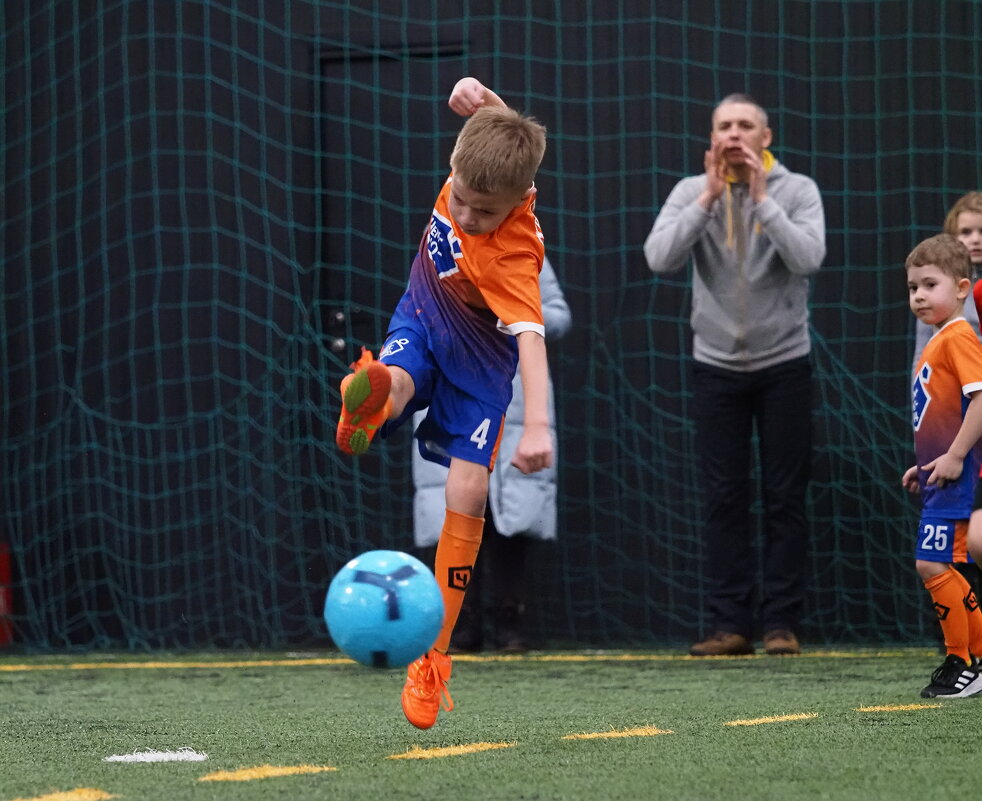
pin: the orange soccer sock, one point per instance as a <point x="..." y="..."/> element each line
<point x="950" y="592"/>
<point x="456" y="553"/>
<point x="974" y="620"/>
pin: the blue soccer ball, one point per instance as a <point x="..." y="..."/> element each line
<point x="384" y="609"/>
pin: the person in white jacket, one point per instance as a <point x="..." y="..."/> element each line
<point x="521" y="510"/>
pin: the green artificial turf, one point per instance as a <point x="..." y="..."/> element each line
<point x="62" y="716"/>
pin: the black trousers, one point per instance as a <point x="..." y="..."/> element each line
<point x="728" y="407"/>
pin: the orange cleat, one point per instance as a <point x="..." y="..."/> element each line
<point x="365" y="403"/>
<point x="425" y="690"/>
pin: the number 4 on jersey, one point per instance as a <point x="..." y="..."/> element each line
<point x="480" y="435"/>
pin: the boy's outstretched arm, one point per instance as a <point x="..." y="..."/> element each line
<point x="469" y="94"/>
<point x="534" y="451"/>
<point x="948" y="466"/>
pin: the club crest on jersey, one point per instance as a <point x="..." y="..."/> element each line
<point x="393" y="346"/>
<point x="920" y="397"/>
<point x="443" y="245"/>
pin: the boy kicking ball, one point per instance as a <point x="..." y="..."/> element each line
<point x="947" y="417"/>
<point x="471" y="309"/>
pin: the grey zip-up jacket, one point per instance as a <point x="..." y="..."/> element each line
<point x="749" y="288"/>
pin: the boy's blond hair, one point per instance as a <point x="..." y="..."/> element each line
<point x="970" y="202"/>
<point x="498" y="151"/>
<point x="946" y="253"/>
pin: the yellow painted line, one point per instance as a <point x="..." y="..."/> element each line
<point x="81" y="794"/>
<point x="178" y="665"/>
<point x="776" y="719"/>
<point x="897" y="707"/>
<point x="679" y="657"/>
<point x="642" y="731"/>
<point x="263" y="772"/>
<point x="451" y="750"/>
<point x="593" y="656"/>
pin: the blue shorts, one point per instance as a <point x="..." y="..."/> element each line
<point x="456" y="424"/>
<point x="942" y="540"/>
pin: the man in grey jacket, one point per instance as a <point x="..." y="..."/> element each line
<point x="755" y="233"/>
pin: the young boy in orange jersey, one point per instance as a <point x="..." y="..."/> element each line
<point x="470" y="315"/>
<point x="947" y="418"/>
<point x="964" y="222"/>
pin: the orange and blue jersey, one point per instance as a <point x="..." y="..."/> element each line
<point x="949" y="371"/>
<point x="473" y="295"/>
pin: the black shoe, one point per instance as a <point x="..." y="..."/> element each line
<point x="954" y="679"/>
<point x="465" y="643"/>
<point x="468" y="634"/>
<point x="508" y="629"/>
<point x="467" y="638"/>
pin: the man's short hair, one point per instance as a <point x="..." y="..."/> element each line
<point x="970" y="202"/>
<point x="946" y="253"/>
<point x="498" y="150"/>
<point x="742" y="97"/>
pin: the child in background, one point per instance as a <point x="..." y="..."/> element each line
<point x="964" y="222"/>
<point x="947" y="419"/>
<point x="470" y="315"/>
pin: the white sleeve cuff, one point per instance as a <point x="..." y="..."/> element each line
<point x="517" y="328"/>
